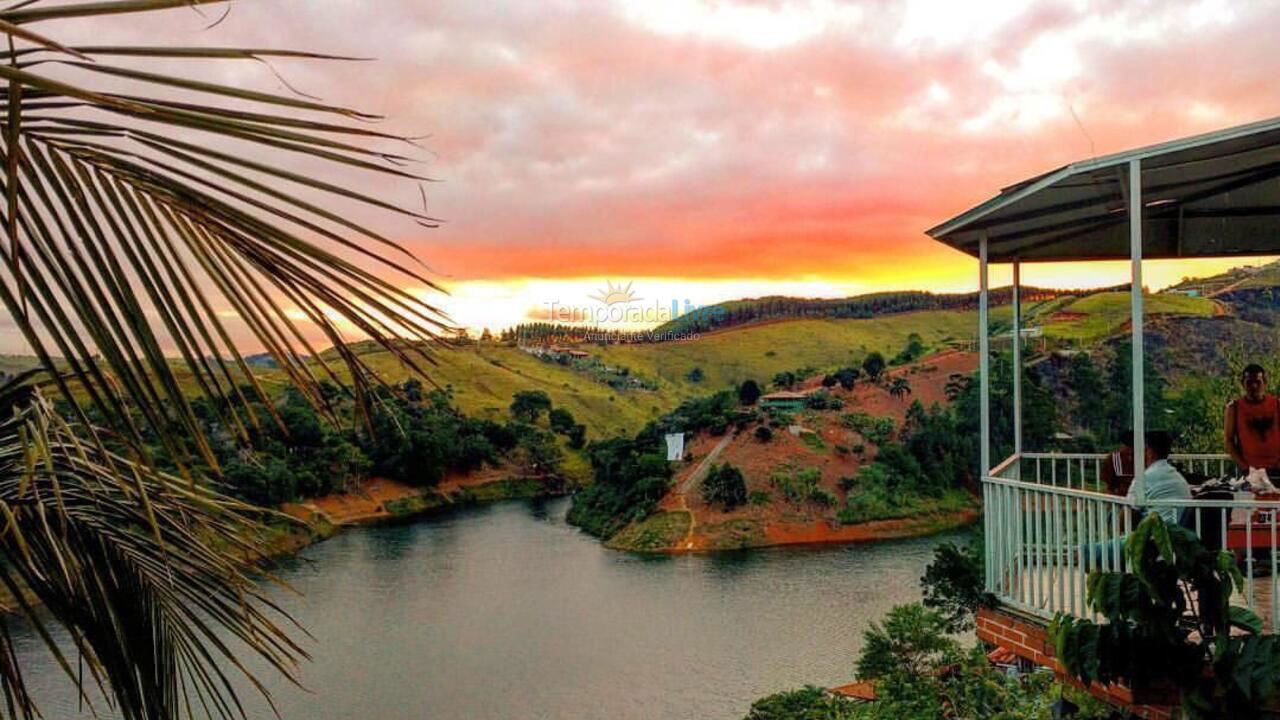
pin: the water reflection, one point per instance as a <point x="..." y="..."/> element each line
<point x="504" y="611"/>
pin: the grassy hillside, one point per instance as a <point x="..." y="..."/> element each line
<point x="759" y="352"/>
<point x="1092" y="318"/>
<point x="484" y="377"/>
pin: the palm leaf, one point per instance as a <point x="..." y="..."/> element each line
<point x="131" y="220"/>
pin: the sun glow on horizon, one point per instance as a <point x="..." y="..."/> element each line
<point x="501" y="304"/>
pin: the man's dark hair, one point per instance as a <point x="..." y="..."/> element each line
<point x="1252" y="369"/>
<point x="1160" y="442"/>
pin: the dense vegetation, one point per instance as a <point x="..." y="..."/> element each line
<point x="1168" y="619"/>
<point x="739" y="312"/>
<point x="920" y="670"/>
<point x="724" y="486"/>
<point x="632" y="474"/>
<point x="415" y="437"/>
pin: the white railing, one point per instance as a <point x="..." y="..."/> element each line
<point x="1048" y="525"/>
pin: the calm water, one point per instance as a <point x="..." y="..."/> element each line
<point x="507" y="612"/>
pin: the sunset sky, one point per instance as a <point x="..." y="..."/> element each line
<point x="706" y="150"/>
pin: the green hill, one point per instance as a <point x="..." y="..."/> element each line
<point x="1095" y="317"/>
<point x="484" y="376"/>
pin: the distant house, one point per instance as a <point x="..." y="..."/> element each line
<point x="784" y="400"/>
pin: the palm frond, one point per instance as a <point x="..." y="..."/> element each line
<point x="140" y="208"/>
<point x="81" y="533"/>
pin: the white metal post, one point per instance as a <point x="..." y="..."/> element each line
<point x="1017" y="361"/>
<point x="984" y="361"/>
<point x="1135" y="293"/>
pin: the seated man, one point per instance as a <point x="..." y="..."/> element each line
<point x="1117" y="469"/>
<point x="1251" y="428"/>
<point x="1161" y="480"/>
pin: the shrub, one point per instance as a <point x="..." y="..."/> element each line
<point x="1217" y="654"/>
<point x="848" y="482"/>
<point x="758" y="498"/>
<point x="912" y="640"/>
<point x="912" y="352"/>
<point x="813" y="440"/>
<point x="819" y="400"/>
<point x="561" y="421"/>
<point x="874" y="365"/>
<point x="842" y="450"/>
<point x="876" y="430"/>
<point x="528" y="405"/>
<point x="953" y="582"/>
<point x="695" y="375"/>
<point x="847" y="377"/>
<point x="808" y="703"/>
<point x="797" y="486"/>
<point x="764" y="434"/>
<point x="724" y="485"/>
<point x="873" y="503"/>
<point x="823" y="497"/>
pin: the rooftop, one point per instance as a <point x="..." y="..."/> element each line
<point x="1216" y="194"/>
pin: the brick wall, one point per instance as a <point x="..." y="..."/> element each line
<point x="1028" y="638"/>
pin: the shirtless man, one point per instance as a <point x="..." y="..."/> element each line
<point x="1251" y="428"/>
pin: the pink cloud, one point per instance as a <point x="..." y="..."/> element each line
<point x="573" y="141"/>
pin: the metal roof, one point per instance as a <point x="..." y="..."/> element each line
<point x="1216" y="194"/>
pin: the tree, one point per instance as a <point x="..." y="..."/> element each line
<point x="874" y="365"/>
<point x="528" y="405"/>
<point x="695" y="375"/>
<point x="724" y="485"/>
<point x="1090" y="407"/>
<point x="561" y="421"/>
<point x="124" y="237"/>
<point x="900" y="388"/>
<point x="785" y="380"/>
<point x="957" y="385"/>
<point x="848" y="376"/>
<point x="912" y="640"/>
<point x="748" y="392"/>
<point x="1119" y="405"/>
<point x="807" y="703"/>
<point x="1039" y="409"/>
<point x="764" y="434"/>
<point x="829" y="381"/>
<point x="953" y="583"/>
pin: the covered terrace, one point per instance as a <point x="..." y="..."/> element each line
<point x="1210" y="195"/>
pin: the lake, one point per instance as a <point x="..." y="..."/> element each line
<point x="505" y="611"/>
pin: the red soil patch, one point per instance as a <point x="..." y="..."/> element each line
<point x="1067" y="316"/>
<point x="365" y="504"/>
<point x="928" y="381"/>
<point x="780" y="521"/>
<point x="456" y="480"/>
<point x="823" y="532"/>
